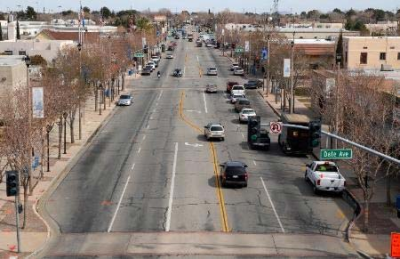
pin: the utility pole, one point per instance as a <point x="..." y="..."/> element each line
<point x="291" y="108"/>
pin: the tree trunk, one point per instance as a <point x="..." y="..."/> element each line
<point x="123" y="81"/>
<point x="60" y="131"/>
<point x="96" y="95"/>
<point x="25" y="185"/>
<point x="71" y="125"/>
<point x="42" y="158"/>
<point x="366" y="215"/>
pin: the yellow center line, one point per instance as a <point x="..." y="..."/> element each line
<point x="223" y="214"/>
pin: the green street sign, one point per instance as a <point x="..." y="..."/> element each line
<point x="138" y="55"/>
<point x="336" y="154"/>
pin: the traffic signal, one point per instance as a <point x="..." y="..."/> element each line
<point x="12" y="183"/>
<point x="253" y="128"/>
<point x="314" y="133"/>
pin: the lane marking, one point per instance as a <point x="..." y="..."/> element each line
<point x="151" y="117"/>
<point x="171" y="192"/>
<point x="254" y="162"/>
<point x="154" y="110"/>
<point x="160" y="95"/>
<point x="119" y="204"/>
<point x="220" y="195"/>
<point x="144" y="137"/>
<point x="272" y="205"/>
<point x="133" y="166"/>
<point x="147" y="127"/>
<point x="140" y="148"/>
<point x="205" y="103"/>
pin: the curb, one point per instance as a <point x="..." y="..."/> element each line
<point x="40" y="202"/>
<point x="270" y="105"/>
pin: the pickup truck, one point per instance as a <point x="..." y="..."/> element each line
<point x="325" y="176"/>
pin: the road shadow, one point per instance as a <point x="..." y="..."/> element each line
<point x="236" y="121"/>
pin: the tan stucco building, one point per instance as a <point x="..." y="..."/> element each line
<point x="371" y="53"/>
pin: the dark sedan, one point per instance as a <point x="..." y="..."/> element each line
<point x="253" y="84"/>
<point x="234" y="173"/>
<point x="177" y="72"/>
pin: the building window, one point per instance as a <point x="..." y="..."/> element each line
<point x="363" y="58"/>
<point x="382" y="56"/>
<point x="8" y="52"/>
<point x="398" y="55"/>
<point x="365" y="47"/>
<point x="22" y="52"/>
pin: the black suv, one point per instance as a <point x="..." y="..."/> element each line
<point x="234" y="173"/>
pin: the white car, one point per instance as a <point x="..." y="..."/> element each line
<point x="125" y="100"/>
<point x="212" y="71"/>
<point x="238" y="71"/>
<point x="245" y="113"/>
<point x="234" y="65"/>
<point x="214" y="130"/>
<point x="169" y="56"/>
<point x="234" y="97"/>
<point x="156" y="59"/>
<point x="238" y="89"/>
<point x="152" y="64"/>
<point x="325" y="176"/>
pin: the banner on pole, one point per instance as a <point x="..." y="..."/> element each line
<point x="37" y="103"/>
<point x="286" y="67"/>
<point x="246" y="46"/>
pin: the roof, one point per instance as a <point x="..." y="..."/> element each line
<point x="317" y="49"/>
<point x="235" y="163"/>
<point x="55" y="35"/>
<point x="296" y="118"/>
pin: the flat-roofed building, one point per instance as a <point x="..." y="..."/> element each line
<point x="379" y="53"/>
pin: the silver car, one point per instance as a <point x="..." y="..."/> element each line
<point x="238" y="71"/>
<point x="214" y="130"/>
<point x="245" y="113"/>
<point x="212" y="71"/>
<point x="235" y="97"/>
<point x="125" y="100"/>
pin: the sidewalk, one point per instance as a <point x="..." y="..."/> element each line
<point x="383" y="219"/>
<point x="37" y="231"/>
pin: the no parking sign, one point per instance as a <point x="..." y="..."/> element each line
<point x="275" y="127"/>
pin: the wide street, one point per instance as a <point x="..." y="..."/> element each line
<point x="149" y="170"/>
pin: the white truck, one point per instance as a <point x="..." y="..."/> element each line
<point x="325" y="176"/>
<point x="238" y="89"/>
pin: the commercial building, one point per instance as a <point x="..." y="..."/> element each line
<point x="379" y="53"/>
<point x="12" y="74"/>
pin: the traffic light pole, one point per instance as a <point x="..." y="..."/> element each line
<point x="17" y="222"/>
<point x="372" y="151"/>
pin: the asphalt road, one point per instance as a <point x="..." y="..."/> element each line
<point x="150" y="170"/>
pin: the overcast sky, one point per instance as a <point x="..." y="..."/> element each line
<point x="203" y="5"/>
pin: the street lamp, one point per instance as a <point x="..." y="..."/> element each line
<point x="27" y="60"/>
<point x="79" y="99"/>
<point x="291" y="108"/>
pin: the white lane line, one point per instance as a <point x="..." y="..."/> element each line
<point x="205" y="103"/>
<point x="140" y="148"/>
<point x="119" y="204"/>
<point x="133" y="166"/>
<point x="254" y="162"/>
<point x="147" y="127"/>
<point x="151" y="117"/>
<point x="272" y="205"/>
<point x="144" y="137"/>
<point x="171" y="192"/>
<point x="242" y="134"/>
<point x="184" y="69"/>
<point x="159" y="95"/>
<point x="197" y="59"/>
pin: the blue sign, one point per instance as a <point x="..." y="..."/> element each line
<point x="35" y="162"/>
<point x="158" y="33"/>
<point x="264" y="54"/>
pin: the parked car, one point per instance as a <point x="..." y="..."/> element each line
<point x="177" y="72"/>
<point x="152" y="64"/>
<point x="234" y="65"/>
<point x="147" y="70"/>
<point x="253" y="84"/>
<point x="211" y="88"/>
<point x="245" y="113"/>
<point x="156" y="58"/>
<point x="238" y="89"/>
<point x="234" y="173"/>
<point x="212" y="71"/>
<point x="234" y="97"/>
<point x="242" y="103"/>
<point x="230" y="84"/>
<point x="214" y="130"/>
<point x="238" y="71"/>
<point x="125" y="100"/>
<point x="177" y="37"/>
<point x="169" y="56"/>
<point x="170" y="48"/>
<point x="325" y="176"/>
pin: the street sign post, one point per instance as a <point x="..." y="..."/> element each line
<point x="275" y="127"/>
<point x="336" y="154"/>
